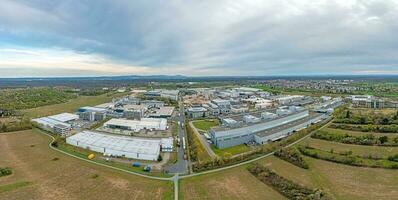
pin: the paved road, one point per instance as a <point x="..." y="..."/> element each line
<point x="202" y="140"/>
<point x="181" y="166"/>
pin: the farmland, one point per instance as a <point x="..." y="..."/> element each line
<point x="41" y="173"/>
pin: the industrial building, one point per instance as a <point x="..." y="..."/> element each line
<point x="224" y="137"/>
<point x="197" y="112"/>
<point x="163" y="112"/>
<point x="367" y="101"/>
<point x="56" y="123"/>
<point x="138" y="125"/>
<point x="112" y="145"/>
<point x="92" y="113"/>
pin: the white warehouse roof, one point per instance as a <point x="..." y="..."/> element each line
<point x="137" y="125"/>
<point x="136" y="148"/>
<point x="64" y="117"/>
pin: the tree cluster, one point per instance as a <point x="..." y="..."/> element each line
<point x="284" y="186"/>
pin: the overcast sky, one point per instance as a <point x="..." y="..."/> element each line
<point x="198" y="37"/>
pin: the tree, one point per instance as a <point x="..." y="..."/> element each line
<point x="160" y="158"/>
<point x="383" y="139"/>
<point x="348" y="114"/>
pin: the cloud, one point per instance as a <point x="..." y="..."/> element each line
<point x="203" y="37"/>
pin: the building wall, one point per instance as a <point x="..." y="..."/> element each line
<point x="286" y="132"/>
<point x="246" y="135"/>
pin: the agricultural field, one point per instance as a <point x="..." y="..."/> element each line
<point x="41" y="173"/>
<point x="339" y="181"/>
<point x="71" y="105"/>
<point x="236" y="183"/>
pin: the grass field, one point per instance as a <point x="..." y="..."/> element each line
<point x="70" y="106"/>
<point x="232" y="150"/>
<point x="340" y="181"/>
<point x="206" y="124"/>
<point x="360" y="150"/>
<point x="235" y="183"/>
<point x="31" y="160"/>
<point x="359" y="133"/>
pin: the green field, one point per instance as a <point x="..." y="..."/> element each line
<point x="359" y="133"/>
<point x="71" y="105"/>
<point x="361" y="150"/>
<point x="231" y="150"/>
<point x="206" y="124"/>
<point x="53" y="175"/>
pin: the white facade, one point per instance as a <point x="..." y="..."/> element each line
<point x="111" y="145"/>
<point x="137" y="125"/>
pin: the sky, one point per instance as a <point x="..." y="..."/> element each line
<point x="40" y="38"/>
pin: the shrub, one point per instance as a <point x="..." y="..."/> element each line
<point x="5" y="171"/>
<point x="284" y="186"/>
<point x="293" y="156"/>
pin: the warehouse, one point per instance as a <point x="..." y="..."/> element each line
<point x="138" y="125"/>
<point x="111" y="145"/>
<point x="285" y="130"/>
<point x="53" y="125"/>
<point x="64" y="117"/>
<point x="226" y="137"/>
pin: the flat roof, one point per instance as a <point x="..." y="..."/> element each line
<point x="118" y="143"/>
<point x="225" y="131"/>
<point x="64" y="117"/>
<point x="50" y="122"/>
<point x="154" y="122"/>
<point x="164" y="111"/>
<point x="277" y="129"/>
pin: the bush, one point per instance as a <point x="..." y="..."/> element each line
<point x="368" y="139"/>
<point x="349" y="159"/>
<point x="5" y="171"/>
<point x="293" y="156"/>
<point x="284" y="186"/>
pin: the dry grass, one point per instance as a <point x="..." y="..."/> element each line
<point x="235" y="183"/>
<point x="360" y="150"/>
<point x="32" y="161"/>
<point x="340" y="181"/>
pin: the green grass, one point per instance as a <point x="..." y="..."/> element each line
<point x="235" y="150"/>
<point x="206" y="124"/>
<point x="358" y="133"/>
<point x="71" y="106"/>
<point x="13" y="186"/>
<point x="361" y="150"/>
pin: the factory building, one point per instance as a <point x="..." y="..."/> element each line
<point x="138" y="125"/>
<point x="112" y="145"/>
<point x="224" y="137"/>
<point x="92" y="113"/>
<point x="56" y="123"/>
<point x="287" y="129"/>
<point x="197" y="112"/>
<point x="367" y="101"/>
<point x="163" y="112"/>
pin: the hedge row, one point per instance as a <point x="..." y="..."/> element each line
<point x="293" y="156"/>
<point x="347" y="159"/>
<point x="284" y="186"/>
<point x="368" y="139"/>
<point x="367" y="128"/>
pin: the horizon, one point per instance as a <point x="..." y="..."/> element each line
<point x="245" y="38"/>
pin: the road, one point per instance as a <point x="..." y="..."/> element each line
<point x="202" y="140"/>
<point x="181" y="166"/>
